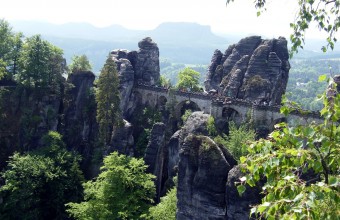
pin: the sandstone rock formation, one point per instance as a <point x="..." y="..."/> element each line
<point x="126" y="79"/>
<point x="122" y="139"/>
<point x="26" y="116"/>
<point x="154" y="155"/>
<point x="147" y="61"/>
<point x="202" y="171"/>
<point x="173" y="156"/>
<point x="136" y="66"/>
<point x="238" y="206"/>
<point x="79" y="122"/>
<point x="195" y="124"/>
<point x="253" y="69"/>
<point x="202" y="175"/>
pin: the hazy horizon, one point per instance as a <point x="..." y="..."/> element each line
<point x="238" y="18"/>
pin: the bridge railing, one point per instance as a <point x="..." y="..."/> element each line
<point x="223" y="101"/>
<point x="188" y="94"/>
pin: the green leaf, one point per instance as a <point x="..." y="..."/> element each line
<point x="241" y="189"/>
<point x="333" y="181"/>
<point x="298" y="197"/>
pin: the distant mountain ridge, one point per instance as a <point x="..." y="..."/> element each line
<point x="179" y="42"/>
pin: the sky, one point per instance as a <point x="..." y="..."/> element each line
<point x="238" y="17"/>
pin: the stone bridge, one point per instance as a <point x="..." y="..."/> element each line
<point x="220" y="107"/>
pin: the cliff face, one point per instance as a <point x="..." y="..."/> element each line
<point x="155" y="155"/>
<point x="26" y="115"/>
<point x="253" y="69"/>
<point x="202" y="172"/>
<point x="133" y="67"/>
<point x="80" y="125"/>
<point x="206" y="176"/>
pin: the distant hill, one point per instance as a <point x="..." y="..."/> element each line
<point x="179" y="42"/>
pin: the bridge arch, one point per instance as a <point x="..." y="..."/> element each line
<point x="232" y="115"/>
<point x="181" y="107"/>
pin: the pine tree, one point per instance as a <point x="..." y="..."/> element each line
<point x="107" y="98"/>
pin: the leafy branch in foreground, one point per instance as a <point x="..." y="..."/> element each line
<point x="301" y="167"/>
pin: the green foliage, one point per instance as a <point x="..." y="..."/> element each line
<point x="17" y="45"/>
<point x="108" y="100"/>
<point x="41" y="65"/>
<point x="171" y="70"/>
<point x="188" y="79"/>
<point x="80" y="63"/>
<point x="211" y="126"/>
<point x="121" y="191"/>
<point x="303" y="86"/>
<point x="33" y="62"/>
<point x="6" y="36"/>
<point x="301" y="166"/>
<point x="166" y="209"/>
<point x="38" y="184"/>
<point x="237" y="140"/>
<point x="186" y="115"/>
<point x="165" y="82"/>
<point x="3" y="70"/>
<point x="142" y="142"/>
<point x="151" y="116"/>
<point x="323" y="13"/>
<point x="10" y="47"/>
<point x="145" y="120"/>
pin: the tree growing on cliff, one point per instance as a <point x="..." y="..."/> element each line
<point x="33" y="62"/>
<point x="188" y="79"/>
<point x="41" y="64"/>
<point x="10" y="47"/>
<point x="108" y="100"/>
<point x="324" y="13"/>
<point x="38" y="184"/>
<point x="80" y="63"/>
<point x="123" y="190"/>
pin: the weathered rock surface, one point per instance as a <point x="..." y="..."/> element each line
<point x="122" y="139"/>
<point x="331" y="92"/>
<point x="202" y="171"/>
<point x="154" y="155"/>
<point x="253" y="69"/>
<point x="195" y="124"/>
<point x="202" y="176"/>
<point x="126" y="77"/>
<point x="133" y="67"/>
<point x="238" y="207"/>
<point x="80" y="126"/>
<point x="147" y="61"/>
<point x="144" y="62"/>
<point x="26" y="116"/>
<point x="173" y="156"/>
